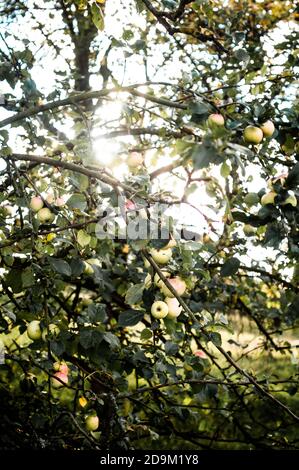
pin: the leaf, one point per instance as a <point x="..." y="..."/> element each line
<point x="203" y="155"/>
<point x="97" y="16"/>
<point x="171" y="348"/>
<point x="77" y="201"/>
<point x="134" y="294"/>
<point x="83" y="238"/>
<point x="27" y="278"/>
<point x="112" y="340"/>
<point x="130" y="318"/>
<point x="89" y="337"/>
<point x="146" y="334"/>
<point x="230" y="267"/>
<point x="60" y="266"/>
<point x="215" y="338"/>
<point x="97" y="313"/>
<point x="77" y="266"/>
<point x="292" y="180"/>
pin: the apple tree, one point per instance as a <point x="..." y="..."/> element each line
<point x="149" y="258"/>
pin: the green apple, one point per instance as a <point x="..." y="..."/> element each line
<point x="177" y="283"/>
<point x="59" y="379"/>
<point x="216" y="120"/>
<point x="158" y="281"/>
<point x="88" y="269"/>
<point x="253" y="135"/>
<point x="291" y="199"/>
<point x="92" y="423"/>
<point x="161" y="256"/>
<point x="174" y="307"/>
<point x="268" y="128"/>
<point x="148" y="281"/>
<point x="34" y="330"/>
<point x="268" y="198"/>
<point x="159" y="309"/>
<point x="36" y="203"/>
<point x="251" y="199"/>
<point x="53" y="332"/>
<point x="45" y="215"/>
<point x="134" y="160"/>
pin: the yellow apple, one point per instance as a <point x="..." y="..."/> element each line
<point x="148" y="281"/>
<point x="134" y="160"/>
<point x="88" y="269"/>
<point x="53" y="332"/>
<point x="249" y="230"/>
<point x="158" y="281"/>
<point x="36" y="203"/>
<point x="174" y="307"/>
<point x="45" y="215"/>
<point x="92" y="423"/>
<point x="161" y="256"/>
<point x="216" y="120"/>
<point x="268" y="198"/>
<point x="34" y="330"/>
<point x="268" y="128"/>
<point x="177" y="283"/>
<point x="159" y="309"/>
<point x="253" y="135"/>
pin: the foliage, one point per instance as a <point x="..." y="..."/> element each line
<point x="85" y="85"/>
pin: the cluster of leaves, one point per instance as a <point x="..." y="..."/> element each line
<point x="197" y="381"/>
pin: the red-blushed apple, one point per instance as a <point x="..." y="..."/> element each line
<point x="134" y="160"/>
<point x="253" y="135"/>
<point x="130" y="205"/>
<point x="36" y="203"/>
<point x="268" y="128"/>
<point x="268" y="198"/>
<point x="61" y="367"/>
<point x="174" y="307"/>
<point x="59" y="380"/>
<point x="34" y="331"/>
<point x="92" y="423"/>
<point x="216" y="120"/>
<point x="177" y="283"/>
<point x="161" y="256"/>
<point x="159" y="309"/>
<point x="45" y="215"/>
<point x="200" y="353"/>
<point x="50" y="198"/>
<point x="59" y="202"/>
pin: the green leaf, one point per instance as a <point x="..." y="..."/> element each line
<point x="230" y="267"/>
<point x="130" y="318"/>
<point x="77" y="201"/>
<point x="215" y="338"/>
<point x="204" y="154"/>
<point x="112" y="340"/>
<point x="27" y="278"/>
<point x="83" y="238"/>
<point x="60" y="266"/>
<point x="77" y="266"/>
<point x="171" y="348"/>
<point x="146" y="334"/>
<point x="134" y="294"/>
<point x="89" y="337"/>
<point x="97" y="16"/>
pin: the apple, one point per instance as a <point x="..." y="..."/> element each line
<point x="268" y="198"/>
<point x="291" y="199"/>
<point x="268" y="128"/>
<point x="171" y="244"/>
<point x="148" y="281"/>
<point x="174" y="307"/>
<point x="159" y="309"/>
<point x="201" y="354"/>
<point x="161" y="256"/>
<point x="45" y="215"/>
<point x="92" y="423"/>
<point x="34" y="330"/>
<point x="216" y="120"/>
<point x="249" y="230"/>
<point x="61" y="367"/>
<point x="134" y="160"/>
<point x="59" y="383"/>
<point x="59" y="202"/>
<point x="50" y="198"/>
<point x="158" y="281"/>
<point x="251" y="199"/>
<point x="36" y="203"/>
<point x="53" y="332"/>
<point x="88" y="269"/>
<point x="94" y="262"/>
<point x="177" y="283"/>
<point x="253" y="135"/>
